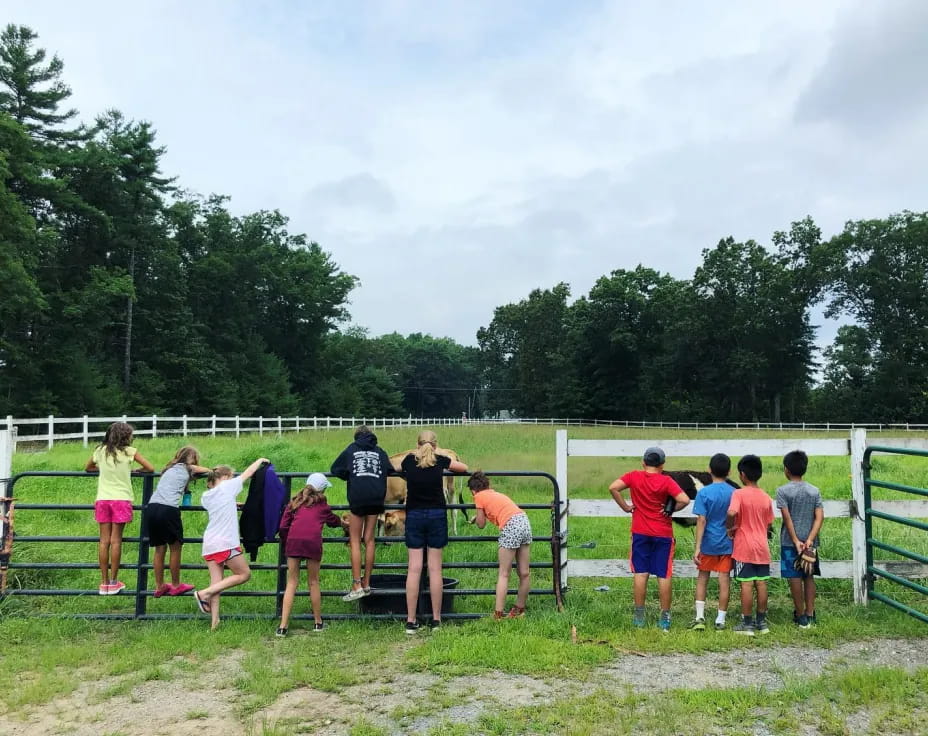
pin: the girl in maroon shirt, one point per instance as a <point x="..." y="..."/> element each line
<point x="301" y="534"/>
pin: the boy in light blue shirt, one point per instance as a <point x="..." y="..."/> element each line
<point x="713" y="545"/>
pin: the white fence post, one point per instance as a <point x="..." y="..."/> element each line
<point x="297" y="423"/>
<point x="237" y="427"/>
<point x="213" y="426"/>
<point x="51" y="431"/>
<point x="7" y="443"/>
<point x="261" y="426"/>
<point x="858" y="526"/>
<point x="560" y="474"/>
<point x="154" y="426"/>
<point x="280" y="428"/>
<point x="183" y="425"/>
<point x="86" y="430"/>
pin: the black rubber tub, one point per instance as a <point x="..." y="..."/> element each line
<point x="388" y="595"/>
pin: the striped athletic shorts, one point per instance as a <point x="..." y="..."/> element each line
<point x="516" y="532"/>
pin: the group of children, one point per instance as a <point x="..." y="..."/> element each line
<point x="364" y="466"/>
<point x="731" y="535"/>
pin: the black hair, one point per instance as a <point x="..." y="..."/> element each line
<point x="478" y="481"/>
<point x="361" y="431"/>
<point x="720" y="465"/>
<point x="752" y="467"/>
<point x="796" y="463"/>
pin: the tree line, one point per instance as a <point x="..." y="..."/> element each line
<point x="122" y="292"/>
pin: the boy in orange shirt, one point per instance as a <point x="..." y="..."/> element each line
<point x="750" y="513"/>
<point x="515" y="538"/>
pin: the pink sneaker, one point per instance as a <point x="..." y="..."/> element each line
<point x="104" y="589"/>
<point x="180" y="589"/>
<point x="162" y="590"/>
<point x="114" y="588"/>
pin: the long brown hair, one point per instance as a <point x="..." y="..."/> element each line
<point x="118" y="437"/>
<point x="307" y="496"/>
<point x="187" y="455"/>
<point x="425" y="451"/>
<point x="220" y="472"/>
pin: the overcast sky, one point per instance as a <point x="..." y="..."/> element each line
<point x="456" y="155"/>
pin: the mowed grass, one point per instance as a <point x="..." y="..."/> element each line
<point x="44" y="654"/>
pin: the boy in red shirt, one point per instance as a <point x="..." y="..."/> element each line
<point x="652" y="532"/>
<point x="750" y="513"/>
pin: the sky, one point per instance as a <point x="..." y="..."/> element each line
<point x="454" y="156"/>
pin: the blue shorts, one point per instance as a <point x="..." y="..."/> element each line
<point x="788" y="557"/>
<point x="426" y="528"/>
<point x="653" y="555"/>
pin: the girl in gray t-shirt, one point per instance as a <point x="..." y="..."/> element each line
<point x="165" y="528"/>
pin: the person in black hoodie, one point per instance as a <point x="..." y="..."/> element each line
<point x="365" y="467"/>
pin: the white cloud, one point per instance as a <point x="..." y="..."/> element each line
<point x="456" y="155"/>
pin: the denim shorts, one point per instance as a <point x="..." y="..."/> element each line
<point x="426" y="528"/>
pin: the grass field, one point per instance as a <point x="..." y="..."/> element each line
<point x="52" y="659"/>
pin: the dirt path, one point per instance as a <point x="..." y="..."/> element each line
<point x="407" y="703"/>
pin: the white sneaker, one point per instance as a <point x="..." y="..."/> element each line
<point x="353" y="595"/>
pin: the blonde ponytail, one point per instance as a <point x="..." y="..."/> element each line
<point x="425" y="452"/>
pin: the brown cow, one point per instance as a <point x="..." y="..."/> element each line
<point x="394" y="521"/>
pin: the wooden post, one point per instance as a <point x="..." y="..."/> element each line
<point x="86" y="431"/>
<point x="858" y="526"/>
<point x="560" y="473"/>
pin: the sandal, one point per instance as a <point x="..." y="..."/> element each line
<point x="201" y="604"/>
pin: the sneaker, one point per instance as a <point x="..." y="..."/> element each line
<point x="663" y="624"/>
<point x="744" y="629"/>
<point x="803" y="622"/>
<point x="367" y="590"/>
<point x="281" y="632"/>
<point x="115" y="587"/>
<point x="638" y="621"/>
<point x="180" y="589"/>
<point x="412" y="627"/>
<point x="435" y="624"/>
<point x="516" y="612"/>
<point x="698" y="624"/>
<point x="720" y="626"/>
<point x="318" y="627"/>
<point x="761" y="626"/>
<point x="104" y="589"/>
<point x="353" y="595"/>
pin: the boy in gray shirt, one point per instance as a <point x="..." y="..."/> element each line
<point x="800" y="506"/>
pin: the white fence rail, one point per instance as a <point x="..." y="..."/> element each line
<point x="51" y="429"/>
<point x="853" y="447"/>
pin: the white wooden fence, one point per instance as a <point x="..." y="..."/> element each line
<point x="854" y="569"/>
<point x="50" y="429"/>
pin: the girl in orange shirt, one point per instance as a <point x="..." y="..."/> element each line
<point x="515" y="538"/>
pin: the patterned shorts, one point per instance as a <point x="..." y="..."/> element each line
<point x="516" y="532"/>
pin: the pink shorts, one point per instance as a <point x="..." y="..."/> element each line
<point x="112" y="512"/>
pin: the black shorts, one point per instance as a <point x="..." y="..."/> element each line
<point x="367" y="510"/>
<point x="164" y="524"/>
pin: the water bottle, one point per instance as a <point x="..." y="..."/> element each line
<point x="188" y="499"/>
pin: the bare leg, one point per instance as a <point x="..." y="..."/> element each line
<point x="175" y="562"/>
<point x="355" y="530"/>
<point x="413" y="578"/>
<point x="158" y="564"/>
<point x="315" y="594"/>
<point x="702" y="584"/>
<point x="747" y="599"/>
<point x="103" y="552"/>
<point x="506" y="556"/>
<point x="524" y="556"/>
<point x="724" y="590"/>
<point x="810" y="590"/>
<point x="796" y="590"/>
<point x="115" y="550"/>
<point x="215" y="577"/>
<point x="370" y="527"/>
<point x="640" y="587"/>
<point x="436" y="583"/>
<point x="665" y="592"/>
<point x="293" y="579"/>
<point x="761" y="596"/>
